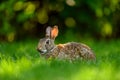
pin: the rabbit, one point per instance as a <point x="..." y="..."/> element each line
<point x="68" y="51"/>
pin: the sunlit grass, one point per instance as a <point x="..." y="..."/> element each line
<point x="11" y="67"/>
<point x="21" y="61"/>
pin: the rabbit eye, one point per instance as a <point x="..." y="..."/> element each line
<point x="48" y="42"/>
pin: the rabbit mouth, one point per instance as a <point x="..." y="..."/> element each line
<point x="42" y="51"/>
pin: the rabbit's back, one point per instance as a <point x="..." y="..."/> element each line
<point x="72" y="51"/>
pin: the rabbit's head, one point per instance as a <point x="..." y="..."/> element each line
<point x="47" y="44"/>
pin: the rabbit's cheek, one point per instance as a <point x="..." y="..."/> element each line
<point x="49" y="47"/>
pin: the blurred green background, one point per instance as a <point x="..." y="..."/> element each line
<point x="21" y="19"/>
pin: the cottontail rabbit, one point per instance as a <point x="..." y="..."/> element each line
<point x="70" y="50"/>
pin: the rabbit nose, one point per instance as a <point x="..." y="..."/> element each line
<point x="38" y="49"/>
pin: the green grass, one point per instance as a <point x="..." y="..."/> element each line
<point x="21" y="61"/>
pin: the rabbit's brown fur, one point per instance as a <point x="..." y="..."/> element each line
<point x="70" y="51"/>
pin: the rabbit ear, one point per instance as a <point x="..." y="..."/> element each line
<point x="54" y="32"/>
<point x="48" y="31"/>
